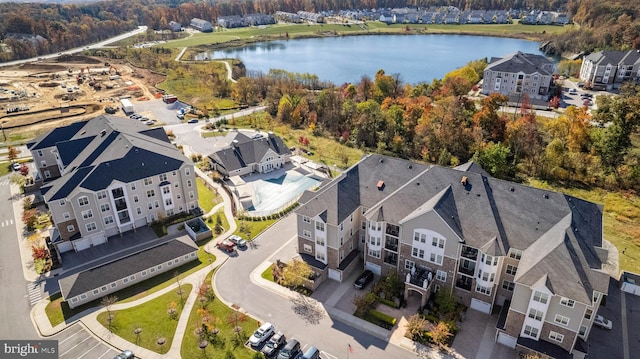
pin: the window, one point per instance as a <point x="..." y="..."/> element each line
<point x="66" y="215"/>
<point x="166" y="190"/>
<point x="191" y="195"/>
<point x="152" y="269"/>
<point x="83" y="201"/>
<point x="507" y="285"/>
<point x="169" y="264"/>
<point x="62" y="203"/>
<point x="536" y="314"/>
<point x="148" y="181"/>
<point x="483" y="290"/>
<point x="103" y="289"/>
<point x="71" y="228"/>
<point x="515" y="253"/>
<point x="419" y="237"/>
<point x="136" y="199"/>
<point x="489" y="260"/>
<point x="95" y="292"/>
<point x="441" y="276"/>
<point x="156" y="204"/>
<point x="151" y="193"/>
<point x="102" y="194"/>
<point x="437" y="242"/>
<point x="144" y="273"/>
<point x="83" y="296"/>
<point x="538" y="296"/>
<point x="374" y="253"/>
<point x="87" y="214"/>
<point x="320" y="241"/>
<point x="74" y="300"/>
<point x="187" y="171"/>
<point x="133" y="277"/>
<point x="531" y="331"/>
<point x="114" y="284"/>
<point x="409" y="264"/>
<point x="561" y="319"/>
<point x="150" y="205"/>
<point x="104" y="207"/>
<point x="39" y="153"/>
<point x="556" y="336"/>
<point x="583" y="330"/>
<point x="162" y="177"/>
<point x="138" y="210"/>
<point x="133" y="186"/>
<point x="588" y="314"/>
<point x="108" y="220"/>
<point x="435" y="258"/>
<point x="511" y="269"/>
<point x="306" y="234"/>
<point x="320" y="256"/>
<point x="91" y="226"/>
<point x="320" y="226"/>
<point x="176" y="261"/>
<point x="567" y="302"/>
<point x="44" y="163"/>
<point x="418" y="253"/>
<point x="126" y="280"/>
<point x="159" y="267"/>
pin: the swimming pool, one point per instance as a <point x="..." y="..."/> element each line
<point x="273" y="194"/>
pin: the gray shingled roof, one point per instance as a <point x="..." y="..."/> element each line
<point x="50" y="139"/>
<point x="245" y="151"/>
<point x="603" y="58"/>
<point x="557" y="232"/>
<point x="110" y="148"/>
<point x="521" y="62"/>
<point x="99" y="276"/>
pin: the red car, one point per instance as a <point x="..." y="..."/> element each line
<point x="226" y="245"/>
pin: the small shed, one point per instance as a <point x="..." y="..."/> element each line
<point x="630" y="283"/>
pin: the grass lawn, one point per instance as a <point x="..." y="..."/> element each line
<point x="59" y="311"/>
<point x="152" y="318"/>
<point x="621" y="218"/>
<point x="267" y="274"/>
<point x="250" y="229"/>
<point x="216" y="133"/>
<point x="325" y="150"/>
<point x="207" y="198"/>
<point x="218" y="316"/>
<point x="280" y="31"/>
<point x="211" y="220"/>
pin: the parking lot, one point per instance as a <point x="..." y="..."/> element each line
<point x="287" y="339"/>
<point x="156" y="109"/>
<point x="76" y="342"/>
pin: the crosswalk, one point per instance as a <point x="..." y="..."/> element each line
<point x="34" y="292"/>
<point x="5" y="183"/>
<point x="6" y="223"/>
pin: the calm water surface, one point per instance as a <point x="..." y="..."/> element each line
<point x="418" y="58"/>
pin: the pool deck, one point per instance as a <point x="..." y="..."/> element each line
<point x="245" y="190"/>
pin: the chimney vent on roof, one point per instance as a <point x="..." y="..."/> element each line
<point x="464" y="181"/>
<point x="512" y="189"/>
<point x="381" y="160"/>
<point x="103" y="132"/>
<point x="380" y="185"/>
<point x="410" y="166"/>
<point x="545" y="196"/>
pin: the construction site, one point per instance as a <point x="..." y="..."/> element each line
<point x="38" y="96"/>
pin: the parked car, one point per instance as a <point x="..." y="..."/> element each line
<point x="150" y="122"/>
<point x="290" y="351"/>
<point x="261" y="335"/>
<point x="241" y="243"/>
<point x="573" y="90"/>
<point x="127" y="354"/>
<point x="16" y="166"/>
<point x="193" y="121"/>
<point x="226" y="245"/>
<point x="276" y="342"/>
<point x="365" y="278"/>
<point x="311" y="353"/>
<point x="602" y="322"/>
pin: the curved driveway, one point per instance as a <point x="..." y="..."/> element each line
<point x="234" y="285"/>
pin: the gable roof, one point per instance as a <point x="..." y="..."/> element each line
<point x="245" y="151"/>
<point x="104" y="274"/>
<point x="110" y="148"/>
<point x="522" y="62"/>
<point x="56" y="135"/>
<point x="558" y="234"/>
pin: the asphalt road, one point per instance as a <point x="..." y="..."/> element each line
<point x="331" y="336"/>
<point x="75" y="342"/>
<point x="14" y="296"/>
<point x="139" y="30"/>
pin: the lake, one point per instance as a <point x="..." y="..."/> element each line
<point x="418" y="58"/>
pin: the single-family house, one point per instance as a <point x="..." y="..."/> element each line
<point x="175" y="26"/>
<point x="201" y="25"/>
<point x="260" y="153"/>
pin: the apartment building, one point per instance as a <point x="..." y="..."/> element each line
<point x="607" y="70"/>
<point x="108" y="176"/>
<point x="517" y="74"/>
<point x="535" y="254"/>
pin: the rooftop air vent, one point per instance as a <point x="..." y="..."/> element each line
<point x="380" y="185"/>
<point x="511" y="189"/>
<point x="464" y="181"/>
<point x="103" y="132"/>
<point x="410" y="167"/>
<point x="546" y="196"/>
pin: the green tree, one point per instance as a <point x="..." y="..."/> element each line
<point x="622" y="116"/>
<point x="494" y="158"/>
<point x="294" y="274"/>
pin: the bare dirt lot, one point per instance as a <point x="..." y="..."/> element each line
<point x="39" y="96"/>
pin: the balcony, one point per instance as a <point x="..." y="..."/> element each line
<point x="121" y="204"/>
<point x="391" y="244"/>
<point x="469" y="253"/>
<point x="418" y="276"/>
<point x="391" y="258"/>
<point x="467" y="267"/>
<point x="464" y="282"/>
